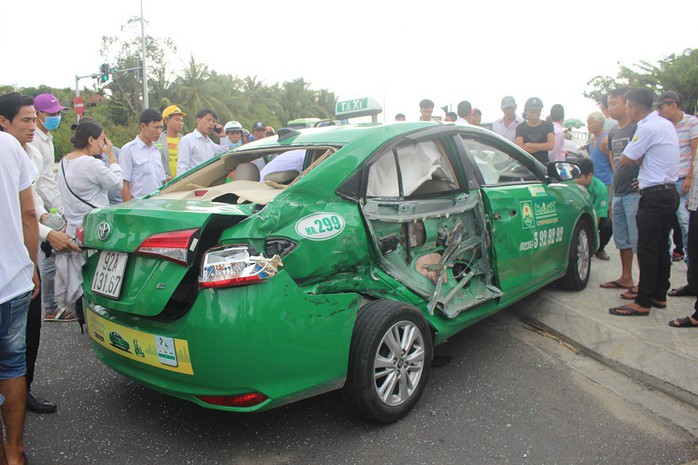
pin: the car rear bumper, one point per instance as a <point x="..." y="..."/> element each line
<point x="267" y="338"/>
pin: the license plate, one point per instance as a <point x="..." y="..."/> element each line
<point x="109" y="274"/>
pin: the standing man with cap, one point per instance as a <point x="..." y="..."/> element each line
<point x="141" y="161"/>
<point x="173" y="119"/>
<point x="535" y="135"/>
<point x="233" y="132"/>
<point x="669" y="107"/>
<point x="259" y="131"/>
<point x="506" y="126"/>
<point x="655" y="147"/>
<point x="48" y="118"/>
<point x="197" y="147"/>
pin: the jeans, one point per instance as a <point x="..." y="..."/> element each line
<point x="654" y="215"/>
<point x="624" y="225"/>
<point x="682" y="214"/>
<point x="13" y="323"/>
<point x="47" y="268"/>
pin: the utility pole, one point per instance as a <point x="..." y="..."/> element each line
<point x="144" y="75"/>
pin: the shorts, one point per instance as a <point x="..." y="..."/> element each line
<point x="13" y="347"/>
<point x="624" y="226"/>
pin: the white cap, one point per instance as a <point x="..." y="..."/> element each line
<point x="232" y="126"/>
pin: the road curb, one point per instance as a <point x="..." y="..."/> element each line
<point x="659" y="367"/>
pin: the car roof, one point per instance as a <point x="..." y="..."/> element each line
<point x="338" y="135"/>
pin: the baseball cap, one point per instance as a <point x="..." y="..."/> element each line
<point x="259" y="125"/>
<point x="172" y="110"/>
<point x="231" y="126"/>
<point x="48" y="103"/>
<point x="534" y="103"/>
<point x="668" y="97"/>
<point x="508" y="102"/>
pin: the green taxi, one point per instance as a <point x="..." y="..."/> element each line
<point x="245" y="294"/>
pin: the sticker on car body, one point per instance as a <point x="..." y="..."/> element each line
<point x="320" y="226"/>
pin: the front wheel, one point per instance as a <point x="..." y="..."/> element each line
<point x="389" y="361"/>
<point x="579" y="260"/>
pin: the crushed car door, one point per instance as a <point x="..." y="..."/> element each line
<point x="527" y="236"/>
<point x="427" y="229"/>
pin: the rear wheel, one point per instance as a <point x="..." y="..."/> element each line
<point x="579" y="260"/>
<point x="389" y="361"/>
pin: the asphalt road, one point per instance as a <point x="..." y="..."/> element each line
<point x="498" y="397"/>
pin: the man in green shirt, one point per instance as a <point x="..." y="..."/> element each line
<point x="599" y="199"/>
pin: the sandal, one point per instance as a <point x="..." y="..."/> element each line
<point x="613" y="285"/>
<point x="626" y="310"/>
<point x="631" y="294"/>
<point x="683" y="291"/>
<point x="658" y="303"/>
<point x="682" y="323"/>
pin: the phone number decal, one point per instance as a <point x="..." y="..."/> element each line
<point x="544" y="238"/>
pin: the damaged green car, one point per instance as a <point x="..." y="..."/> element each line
<point x="246" y="294"/>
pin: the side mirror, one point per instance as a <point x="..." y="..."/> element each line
<point x="563" y="170"/>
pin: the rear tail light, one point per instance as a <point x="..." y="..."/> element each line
<point x="244" y="400"/>
<point x="174" y="245"/>
<point x="233" y="266"/>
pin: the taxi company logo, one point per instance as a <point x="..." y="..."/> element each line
<point x="546" y="210"/>
<point x="103" y="231"/>
<point x="527" y="218"/>
<point x="320" y="226"/>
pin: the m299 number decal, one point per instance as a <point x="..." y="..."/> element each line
<point x="320" y="226"/>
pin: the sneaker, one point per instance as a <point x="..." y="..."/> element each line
<point x="602" y="255"/>
<point x="676" y="257"/>
<point x="62" y="314"/>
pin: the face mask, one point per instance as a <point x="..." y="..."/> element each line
<point x="239" y="143"/>
<point x="52" y="122"/>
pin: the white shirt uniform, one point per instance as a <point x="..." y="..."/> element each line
<point x="16" y="175"/>
<point x="47" y="185"/>
<point x="287" y="161"/>
<point x="194" y="149"/>
<point x="91" y="180"/>
<point x="38" y="163"/>
<point x="141" y="166"/>
<point x="656" y="140"/>
<point x="507" y="132"/>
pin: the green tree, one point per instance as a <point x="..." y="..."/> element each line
<point x="675" y="72"/>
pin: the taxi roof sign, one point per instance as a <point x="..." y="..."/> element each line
<point x="358" y="107"/>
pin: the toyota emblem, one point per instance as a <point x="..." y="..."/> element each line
<point x="103" y="231"/>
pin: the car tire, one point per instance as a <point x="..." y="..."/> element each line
<point x="382" y="385"/>
<point x="579" y="259"/>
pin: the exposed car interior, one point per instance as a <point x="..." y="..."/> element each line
<point x="235" y="177"/>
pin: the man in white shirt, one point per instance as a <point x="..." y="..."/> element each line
<point x="557" y="116"/>
<point x="48" y="112"/>
<point x="197" y="147"/>
<point x="18" y="283"/>
<point x="18" y="118"/>
<point x="506" y="126"/>
<point x="655" y="147"/>
<point x="287" y="161"/>
<point x="141" y="160"/>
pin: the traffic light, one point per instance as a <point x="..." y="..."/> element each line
<point x="104" y="69"/>
<point x="140" y="68"/>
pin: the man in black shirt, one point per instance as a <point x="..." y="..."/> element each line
<point x="534" y="135"/>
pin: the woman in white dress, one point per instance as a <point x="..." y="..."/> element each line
<point x="84" y="182"/>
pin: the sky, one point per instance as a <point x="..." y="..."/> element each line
<point x="397" y="52"/>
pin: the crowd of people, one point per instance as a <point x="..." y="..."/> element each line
<point x="640" y="177"/>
